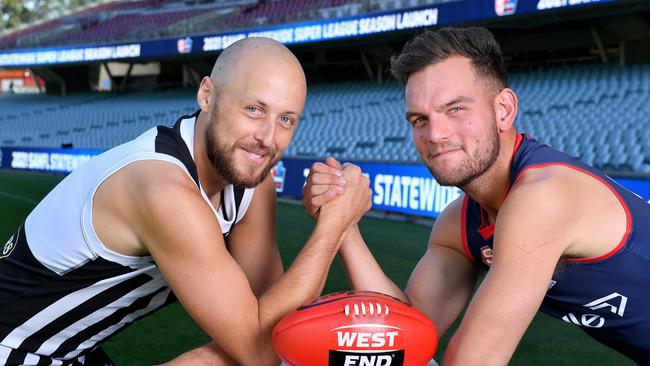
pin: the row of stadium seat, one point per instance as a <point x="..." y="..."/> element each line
<point x="598" y="113"/>
<point x="148" y="19"/>
<point x="87" y="120"/>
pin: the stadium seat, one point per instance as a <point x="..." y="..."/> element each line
<point x="566" y="108"/>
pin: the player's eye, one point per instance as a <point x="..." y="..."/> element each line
<point x="286" y="120"/>
<point x="418" y="121"/>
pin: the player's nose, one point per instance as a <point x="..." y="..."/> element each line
<point x="265" y="132"/>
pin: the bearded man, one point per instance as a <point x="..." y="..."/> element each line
<point x="183" y="213"/>
<point x="551" y="232"/>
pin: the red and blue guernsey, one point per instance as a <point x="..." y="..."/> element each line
<point x="608" y="296"/>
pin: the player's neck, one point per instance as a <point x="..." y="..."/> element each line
<point x="490" y="189"/>
<point x="211" y="181"/>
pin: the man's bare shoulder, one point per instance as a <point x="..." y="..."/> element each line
<point x="547" y="205"/>
<point x="151" y="178"/>
<point x="162" y="191"/>
<point x="550" y="188"/>
<point x="135" y="195"/>
<point x="539" y="193"/>
<point x="573" y="207"/>
<point x="168" y="202"/>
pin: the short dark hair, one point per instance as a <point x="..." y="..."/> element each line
<point x="431" y="47"/>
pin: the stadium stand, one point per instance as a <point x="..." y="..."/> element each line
<point x="354" y="120"/>
<point x="149" y="19"/>
<point x="593" y="107"/>
<point x="595" y="112"/>
<point x="87" y="120"/>
<point x="110" y="21"/>
<point x="27" y="36"/>
<point x="124" y="26"/>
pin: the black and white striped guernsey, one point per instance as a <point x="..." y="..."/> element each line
<point x="62" y="292"/>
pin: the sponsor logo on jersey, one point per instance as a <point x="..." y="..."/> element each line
<point x="615" y="302"/>
<point x="8" y="247"/>
<point x="344" y="358"/>
<point x="184" y="45"/>
<point x="551" y="284"/>
<point x="585" y="320"/>
<point x="505" y="7"/>
<point x="486" y="255"/>
<point x="279" y="173"/>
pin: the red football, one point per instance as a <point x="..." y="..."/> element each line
<point x="355" y="328"/>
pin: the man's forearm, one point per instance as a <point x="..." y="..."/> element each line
<point x="363" y="270"/>
<point x="305" y="277"/>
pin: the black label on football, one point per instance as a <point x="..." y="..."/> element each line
<point x="347" y="358"/>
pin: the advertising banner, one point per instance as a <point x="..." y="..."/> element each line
<point x="403" y="188"/>
<point x="45" y="160"/>
<point x="448" y="13"/>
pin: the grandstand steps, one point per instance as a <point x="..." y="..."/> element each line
<point x="203" y="21"/>
<point x="597" y="113"/>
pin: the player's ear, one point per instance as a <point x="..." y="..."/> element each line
<point x="204" y="93"/>
<point x="505" y="108"/>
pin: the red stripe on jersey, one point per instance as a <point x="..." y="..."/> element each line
<point x="486" y="231"/>
<point x="463" y="229"/>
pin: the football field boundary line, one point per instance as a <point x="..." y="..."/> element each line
<point x="18" y="197"/>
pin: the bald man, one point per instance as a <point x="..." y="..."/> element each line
<point x="186" y="212"/>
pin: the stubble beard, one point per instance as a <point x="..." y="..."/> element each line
<point x="220" y="157"/>
<point x="473" y="167"/>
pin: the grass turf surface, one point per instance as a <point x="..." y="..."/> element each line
<point x="396" y="245"/>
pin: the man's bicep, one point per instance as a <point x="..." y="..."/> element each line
<point x="182" y="234"/>
<point x="252" y="241"/>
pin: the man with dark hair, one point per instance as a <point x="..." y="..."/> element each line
<point x="552" y="232"/>
<point x="476" y="44"/>
<point x="184" y="212"/>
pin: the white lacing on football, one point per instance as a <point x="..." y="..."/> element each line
<point x="366" y="309"/>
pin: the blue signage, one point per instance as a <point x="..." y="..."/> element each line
<point x="45" y="160"/>
<point x="448" y="13"/>
<point x="408" y="189"/>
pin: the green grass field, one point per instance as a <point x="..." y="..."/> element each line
<point x="397" y="246"/>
